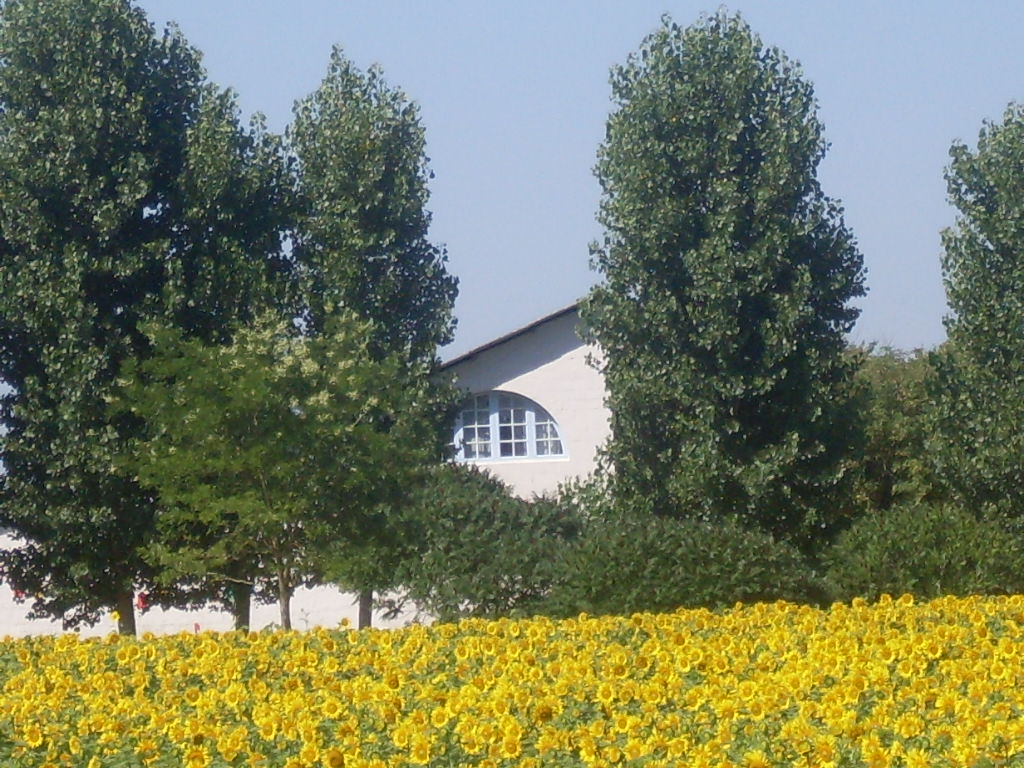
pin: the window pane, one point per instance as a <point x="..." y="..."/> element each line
<point x="524" y="429"/>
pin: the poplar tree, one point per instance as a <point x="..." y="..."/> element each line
<point x="727" y="276"/>
<point x="128" y="193"/>
<point x="362" y="245"/>
<point x="980" y="383"/>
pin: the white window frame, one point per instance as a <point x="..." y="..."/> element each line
<point x="493" y="427"/>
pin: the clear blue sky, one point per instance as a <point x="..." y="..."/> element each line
<point x="514" y="97"/>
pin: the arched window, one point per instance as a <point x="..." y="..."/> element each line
<point x="499" y="425"/>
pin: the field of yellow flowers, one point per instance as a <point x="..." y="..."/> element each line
<point x="892" y="683"/>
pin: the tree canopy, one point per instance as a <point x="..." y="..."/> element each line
<point x="727" y="276"/>
<point x="361" y="234"/>
<point x="128" y="192"/>
<point x="980" y="385"/>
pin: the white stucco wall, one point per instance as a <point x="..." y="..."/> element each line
<point x="318" y="607"/>
<point x="548" y="364"/>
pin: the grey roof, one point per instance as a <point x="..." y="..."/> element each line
<point x="509" y="336"/>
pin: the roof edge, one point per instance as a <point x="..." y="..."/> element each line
<point x="509" y="336"/>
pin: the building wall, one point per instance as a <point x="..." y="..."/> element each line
<point x="316" y="607"/>
<point x="547" y="364"/>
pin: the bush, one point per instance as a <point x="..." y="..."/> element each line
<point x="483" y="552"/>
<point x="926" y="550"/>
<point x="626" y="563"/>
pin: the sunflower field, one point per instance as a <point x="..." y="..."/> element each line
<point x="887" y="684"/>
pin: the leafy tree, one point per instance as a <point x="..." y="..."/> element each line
<point x="128" y="192"/>
<point x="727" y="280"/>
<point x="361" y="236"/>
<point x="980" y="382"/>
<point x="361" y="243"/>
<point x="267" y="450"/>
<point x="892" y="464"/>
<point x="480" y="550"/>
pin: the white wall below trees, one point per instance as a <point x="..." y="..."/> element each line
<point x="321" y="606"/>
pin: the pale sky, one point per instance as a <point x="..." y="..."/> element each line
<point x="514" y="97"/>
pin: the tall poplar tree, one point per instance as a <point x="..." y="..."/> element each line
<point x="128" y="193"/>
<point x="980" y="382"/>
<point x="727" y="276"/>
<point x="362" y="245"/>
<point x="362" y="237"/>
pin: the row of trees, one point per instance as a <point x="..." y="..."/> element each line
<point x="216" y="341"/>
<point x="219" y="343"/>
<point x="754" y="455"/>
<point x="728" y="276"/>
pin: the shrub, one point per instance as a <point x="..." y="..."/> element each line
<point x="926" y="550"/>
<point x="483" y="552"/>
<point x="625" y="563"/>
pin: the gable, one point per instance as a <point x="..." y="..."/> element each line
<point x="545" y="363"/>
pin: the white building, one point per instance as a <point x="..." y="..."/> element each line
<point x="535" y="414"/>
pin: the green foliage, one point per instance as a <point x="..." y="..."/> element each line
<point x="361" y="235"/>
<point x="268" y="450"/>
<point x="927" y="550"/>
<point x="727" y="276"/>
<point x="128" y="193"/>
<point x="627" y="562"/>
<point x="361" y="246"/>
<point x="483" y="552"/>
<point x="892" y="465"/>
<point x="980" y="382"/>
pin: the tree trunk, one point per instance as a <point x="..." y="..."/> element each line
<point x="365" y="608"/>
<point x="241" y="601"/>
<point x="126" y="613"/>
<point x="284" y="599"/>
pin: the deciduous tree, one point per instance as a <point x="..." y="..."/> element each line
<point x="980" y="385"/>
<point x="727" y="276"/>
<point x="361" y="241"/>
<point x="268" y="450"/>
<point x="128" y="192"/>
